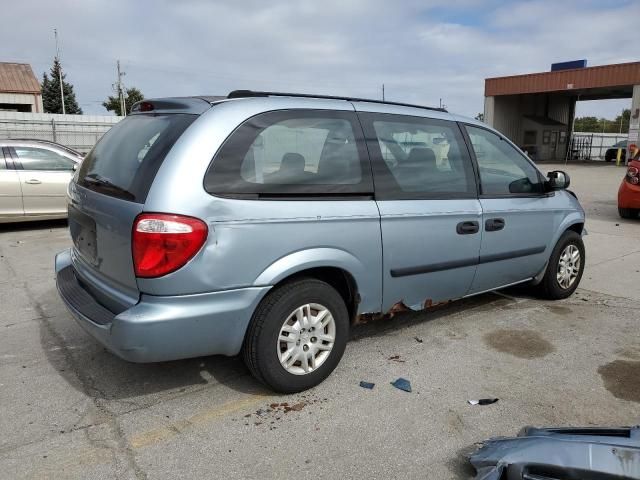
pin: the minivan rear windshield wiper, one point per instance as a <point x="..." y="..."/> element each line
<point x="99" y="181"/>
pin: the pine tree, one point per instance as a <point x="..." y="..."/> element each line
<point x="132" y="95"/>
<point x="51" y="92"/>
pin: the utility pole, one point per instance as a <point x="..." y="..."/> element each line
<point x="383" y="92"/>
<point x="621" y="116"/>
<point x="120" y="87"/>
<point x="55" y="32"/>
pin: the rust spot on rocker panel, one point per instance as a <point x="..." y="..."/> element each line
<point x="397" y="308"/>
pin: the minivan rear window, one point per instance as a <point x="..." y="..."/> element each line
<point x="126" y="159"/>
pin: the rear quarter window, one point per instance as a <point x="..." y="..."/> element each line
<point x="125" y="161"/>
<point x="291" y="153"/>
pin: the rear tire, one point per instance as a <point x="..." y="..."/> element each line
<point x="628" y="212"/>
<point x="565" y="268"/>
<point x="298" y="317"/>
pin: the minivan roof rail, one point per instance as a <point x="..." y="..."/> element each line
<point x="251" y="93"/>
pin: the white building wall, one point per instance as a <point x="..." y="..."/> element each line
<point x="507" y="117"/>
<point x="489" y="110"/>
<point x="35" y="100"/>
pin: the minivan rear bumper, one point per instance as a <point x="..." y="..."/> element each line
<point x="161" y="328"/>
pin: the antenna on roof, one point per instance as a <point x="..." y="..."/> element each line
<point x="55" y="33"/>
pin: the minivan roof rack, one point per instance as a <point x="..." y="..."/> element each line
<point x="251" y="93"/>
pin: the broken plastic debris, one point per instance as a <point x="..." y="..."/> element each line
<point x="402" y="384"/>
<point x="418" y="339"/>
<point x="367" y="385"/>
<point x="396" y="358"/>
<point x="483" y="401"/>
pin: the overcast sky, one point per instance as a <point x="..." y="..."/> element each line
<point x="421" y="50"/>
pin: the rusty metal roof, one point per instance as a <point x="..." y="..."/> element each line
<point x="603" y="76"/>
<point x="18" y="78"/>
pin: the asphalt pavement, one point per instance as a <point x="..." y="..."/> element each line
<point x="72" y="410"/>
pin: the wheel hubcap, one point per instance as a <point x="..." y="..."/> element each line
<point x="306" y="339"/>
<point x="568" y="266"/>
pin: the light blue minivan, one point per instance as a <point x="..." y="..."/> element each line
<point x="267" y="223"/>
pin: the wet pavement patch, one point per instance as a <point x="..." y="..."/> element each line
<point x="519" y="343"/>
<point x="559" y="310"/>
<point x="622" y="379"/>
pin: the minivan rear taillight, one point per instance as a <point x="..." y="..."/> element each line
<point x="162" y="243"/>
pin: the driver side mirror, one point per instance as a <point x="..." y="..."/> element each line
<point x="558" y="180"/>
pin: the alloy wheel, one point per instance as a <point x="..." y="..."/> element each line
<point x="568" y="266"/>
<point x="306" y="339"/>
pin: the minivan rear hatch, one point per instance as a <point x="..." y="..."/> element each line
<point x="108" y="194"/>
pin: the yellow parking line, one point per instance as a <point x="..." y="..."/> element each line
<point x="158" y="435"/>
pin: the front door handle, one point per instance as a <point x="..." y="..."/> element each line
<point x="467" y="228"/>
<point x="494" y="224"/>
<point x="33" y="181"/>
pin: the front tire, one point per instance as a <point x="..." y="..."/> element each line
<point x="297" y="335"/>
<point x="565" y="268"/>
<point x="628" y="212"/>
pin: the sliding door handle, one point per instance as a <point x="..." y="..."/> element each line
<point x="467" y="228"/>
<point x="494" y="224"/>
<point x="33" y="181"/>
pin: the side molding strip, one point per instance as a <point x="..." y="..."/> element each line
<point x="438" y="267"/>
<point x="525" y="252"/>
<point x="434" y="267"/>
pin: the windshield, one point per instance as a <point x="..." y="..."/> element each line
<point x="125" y="161"/>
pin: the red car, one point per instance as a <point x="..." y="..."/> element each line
<point x="629" y="192"/>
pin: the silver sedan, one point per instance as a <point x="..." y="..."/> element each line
<point x="34" y="176"/>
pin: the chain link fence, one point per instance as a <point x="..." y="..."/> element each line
<point x="79" y="132"/>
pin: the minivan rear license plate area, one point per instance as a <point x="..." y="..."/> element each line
<point x="83" y="233"/>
